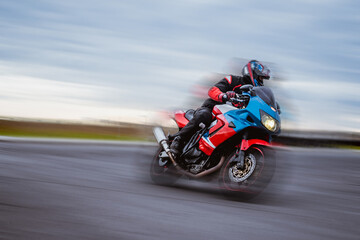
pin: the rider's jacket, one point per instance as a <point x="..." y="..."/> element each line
<point x="228" y="83"/>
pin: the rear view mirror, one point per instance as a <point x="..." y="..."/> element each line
<point x="246" y="87"/>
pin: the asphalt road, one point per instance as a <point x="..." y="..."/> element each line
<point x="91" y="191"/>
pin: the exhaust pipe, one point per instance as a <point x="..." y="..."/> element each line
<point x="161" y="139"/>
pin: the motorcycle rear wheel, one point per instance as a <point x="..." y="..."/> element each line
<point x="162" y="172"/>
<point x="249" y="182"/>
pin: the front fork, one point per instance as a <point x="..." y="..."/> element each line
<point x="240" y="153"/>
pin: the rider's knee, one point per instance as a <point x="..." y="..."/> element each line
<point x="205" y="116"/>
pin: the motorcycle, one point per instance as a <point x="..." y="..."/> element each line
<point x="236" y="148"/>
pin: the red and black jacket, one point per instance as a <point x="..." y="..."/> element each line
<point x="228" y="83"/>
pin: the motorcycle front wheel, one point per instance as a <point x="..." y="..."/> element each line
<point x="247" y="182"/>
<point x="162" y="171"/>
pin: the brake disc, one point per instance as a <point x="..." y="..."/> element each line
<point x="239" y="175"/>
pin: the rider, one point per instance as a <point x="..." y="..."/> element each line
<point x="254" y="72"/>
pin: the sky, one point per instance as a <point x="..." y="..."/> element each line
<point x="122" y="60"/>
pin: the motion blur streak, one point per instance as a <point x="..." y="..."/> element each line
<point x="93" y="59"/>
<point x="87" y="191"/>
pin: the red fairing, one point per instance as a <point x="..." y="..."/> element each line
<point x="216" y="111"/>
<point x="180" y="119"/>
<point x="206" y="148"/>
<point x="223" y="134"/>
<point x="246" y="144"/>
<point x="218" y="124"/>
<point x="219" y="137"/>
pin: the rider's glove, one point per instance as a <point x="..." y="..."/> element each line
<point x="230" y="94"/>
<point x="226" y="96"/>
<point x="223" y="97"/>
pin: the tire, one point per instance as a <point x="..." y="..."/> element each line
<point x="246" y="184"/>
<point x="163" y="175"/>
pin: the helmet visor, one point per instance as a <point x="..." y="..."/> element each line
<point x="261" y="70"/>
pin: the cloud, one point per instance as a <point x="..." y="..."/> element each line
<point x="132" y="53"/>
<point x="29" y="88"/>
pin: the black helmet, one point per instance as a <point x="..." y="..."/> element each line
<point x="256" y="71"/>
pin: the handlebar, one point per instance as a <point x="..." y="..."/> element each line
<point x="239" y="98"/>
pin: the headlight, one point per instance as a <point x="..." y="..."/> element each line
<point x="269" y="122"/>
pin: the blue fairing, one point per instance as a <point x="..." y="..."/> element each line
<point x="240" y="117"/>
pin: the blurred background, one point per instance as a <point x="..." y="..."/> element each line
<point x="112" y="62"/>
<point x="110" y="69"/>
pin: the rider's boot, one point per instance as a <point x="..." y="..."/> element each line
<point x="176" y="146"/>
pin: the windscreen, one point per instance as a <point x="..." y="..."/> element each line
<point x="266" y="95"/>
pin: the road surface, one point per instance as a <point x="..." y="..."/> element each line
<point x="95" y="191"/>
